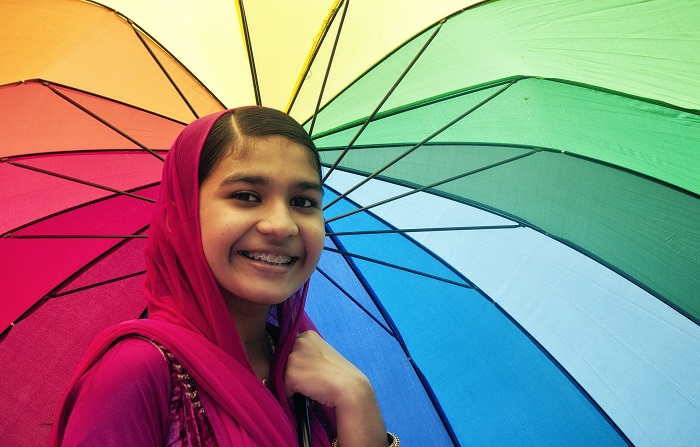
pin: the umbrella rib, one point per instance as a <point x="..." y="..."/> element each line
<point x="314" y="52"/>
<point x="162" y="68"/>
<point x="76" y="180"/>
<point x="386" y="98"/>
<point x="101" y="120"/>
<point x="425" y="230"/>
<point x="423" y="188"/>
<point x="416" y="105"/>
<point x="75" y="236"/>
<point x="397" y="335"/>
<point x="66" y="281"/>
<point x="423" y="142"/>
<point x="357" y="303"/>
<point x="249" y="52"/>
<point x="398" y="267"/>
<point x="69" y="209"/>
<point x="328" y="68"/>
<point x="97" y="284"/>
<point x="92" y="263"/>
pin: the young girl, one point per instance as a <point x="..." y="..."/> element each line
<point x="237" y="232"/>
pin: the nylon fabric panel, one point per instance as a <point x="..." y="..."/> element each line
<point x="604" y="211"/>
<point x="640" y="136"/>
<point x="636" y="356"/>
<point x="620" y="45"/>
<point x="37" y="120"/>
<point x="198" y="100"/>
<point x="187" y="30"/>
<point x="151" y="131"/>
<point x="128" y="260"/>
<point x="52" y="196"/>
<point x="383" y="246"/>
<point x="346" y="281"/>
<point x="48" y="195"/>
<point x="459" y="338"/>
<point x="371" y="348"/>
<point x="374" y="85"/>
<point x="282" y="35"/>
<point x="39" y="345"/>
<point x="122" y="170"/>
<point x="643" y="137"/>
<point x="33" y="271"/>
<point x="88" y="47"/>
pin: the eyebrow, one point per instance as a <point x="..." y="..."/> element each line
<point x="302" y="185"/>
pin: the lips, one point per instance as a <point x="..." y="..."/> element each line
<point x="268" y="258"/>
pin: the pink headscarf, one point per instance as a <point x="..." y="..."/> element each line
<point x="188" y="316"/>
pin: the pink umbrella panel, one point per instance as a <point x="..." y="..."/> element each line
<point x="71" y="262"/>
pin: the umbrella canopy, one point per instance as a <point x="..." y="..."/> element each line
<point x="512" y="197"/>
<point x="576" y="121"/>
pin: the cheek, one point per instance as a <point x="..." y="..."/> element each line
<point x="207" y="247"/>
<point x="317" y="241"/>
<point x="215" y="240"/>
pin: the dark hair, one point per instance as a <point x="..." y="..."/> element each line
<point x="253" y="121"/>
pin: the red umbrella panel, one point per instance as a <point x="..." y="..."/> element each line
<point x="73" y="260"/>
<point x="85" y="178"/>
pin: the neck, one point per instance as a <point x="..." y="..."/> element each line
<point x="251" y="323"/>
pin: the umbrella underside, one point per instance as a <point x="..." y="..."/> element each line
<point x="512" y="198"/>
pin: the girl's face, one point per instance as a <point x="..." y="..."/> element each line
<point x="261" y="221"/>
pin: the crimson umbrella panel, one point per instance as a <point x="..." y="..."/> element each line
<point x="72" y="250"/>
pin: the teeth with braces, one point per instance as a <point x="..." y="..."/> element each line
<point x="268" y="258"/>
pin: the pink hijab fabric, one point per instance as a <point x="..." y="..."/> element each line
<point x="188" y="316"/>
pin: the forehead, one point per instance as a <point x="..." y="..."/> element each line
<point x="270" y="156"/>
<point x="249" y="148"/>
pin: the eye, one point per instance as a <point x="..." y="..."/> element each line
<point x="304" y="202"/>
<point x="244" y="196"/>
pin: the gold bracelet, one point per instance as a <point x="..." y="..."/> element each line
<point x="391" y="438"/>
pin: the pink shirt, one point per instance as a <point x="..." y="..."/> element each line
<point x="137" y="382"/>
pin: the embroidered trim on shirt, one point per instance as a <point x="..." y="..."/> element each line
<point x="182" y="374"/>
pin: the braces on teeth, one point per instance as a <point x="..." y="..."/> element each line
<point x="268" y="259"/>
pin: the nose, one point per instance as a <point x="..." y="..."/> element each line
<point x="278" y="221"/>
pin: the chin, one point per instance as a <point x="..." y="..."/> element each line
<point x="269" y="297"/>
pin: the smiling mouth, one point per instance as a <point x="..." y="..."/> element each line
<point x="269" y="259"/>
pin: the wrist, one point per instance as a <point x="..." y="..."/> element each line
<point x="356" y="395"/>
<point x="392" y="440"/>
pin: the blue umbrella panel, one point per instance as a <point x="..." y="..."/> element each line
<point x="450" y="367"/>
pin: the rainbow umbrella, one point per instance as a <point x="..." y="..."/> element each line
<point x="512" y="197"/>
